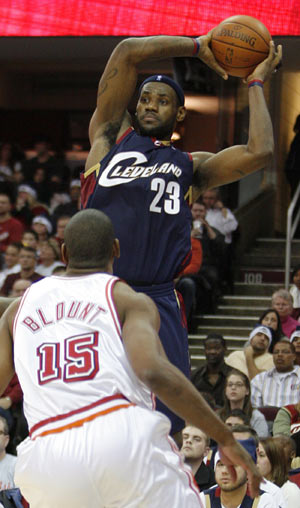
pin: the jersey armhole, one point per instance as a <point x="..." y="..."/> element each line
<point x="128" y="131"/>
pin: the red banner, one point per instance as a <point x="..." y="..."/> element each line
<point x="139" y="17"/>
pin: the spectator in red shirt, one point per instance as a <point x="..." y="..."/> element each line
<point x="10" y="229"/>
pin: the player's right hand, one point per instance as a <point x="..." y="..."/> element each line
<point x="206" y="55"/>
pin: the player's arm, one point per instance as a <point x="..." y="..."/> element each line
<point x="212" y="170"/>
<point x="6" y="345"/>
<point x="118" y="81"/>
<point x="5" y="303"/>
<point x="140" y="325"/>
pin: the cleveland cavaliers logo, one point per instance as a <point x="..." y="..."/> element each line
<point x="118" y="173"/>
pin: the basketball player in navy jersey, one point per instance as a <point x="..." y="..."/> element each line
<point x="139" y="179"/>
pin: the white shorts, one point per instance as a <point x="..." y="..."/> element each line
<point x="123" y="459"/>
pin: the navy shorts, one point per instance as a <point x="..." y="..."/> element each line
<point x="173" y="335"/>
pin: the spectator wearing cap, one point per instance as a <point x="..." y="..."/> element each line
<point x="295" y="340"/>
<point x="233" y="492"/>
<point x="69" y="209"/>
<point x="211" y="376"/>
<point x="255" y="357"/>
<point x="43" y="227"/>
<point x="27" y="205"/>
<point x="279" y="386"/>
<point x="49" y="258"/>
<point x="27" y="260"/>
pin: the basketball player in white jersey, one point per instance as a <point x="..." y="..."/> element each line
<point x="88" y="357"/>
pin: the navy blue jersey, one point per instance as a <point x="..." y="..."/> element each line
<point x="141" y="185"/>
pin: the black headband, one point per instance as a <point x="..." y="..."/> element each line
<point x="160" y="78"/>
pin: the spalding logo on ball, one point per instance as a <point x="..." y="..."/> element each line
<point x="239" y="44"/>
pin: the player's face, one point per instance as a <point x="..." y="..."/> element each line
<point x="193" y="443"/>
<point x="156" y="111"/>
<point x="263" y="462"/>
<point x="224" y="480"/>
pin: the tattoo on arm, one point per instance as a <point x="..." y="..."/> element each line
<point x="103" y="86"/>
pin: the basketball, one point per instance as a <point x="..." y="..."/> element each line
<point x="239" y="44"/>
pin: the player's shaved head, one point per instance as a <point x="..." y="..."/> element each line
<point x="89" y="238"/>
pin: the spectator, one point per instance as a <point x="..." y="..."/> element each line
<point x="211" y="376"/>
<point x="19" y="287"/>
<point x="242" y="432"/>
<point x="289" y="448"/>
<point x="238" y="396"/>
<point x="282" y="301"/>
<point x="73" y="206"/>
<point x="287" y="423"/>
<point x="295" y="291"/>
<point x="11" y="258"/>
<point x="49" y="258"/>
<point x="60" y="229"/>
<point x="10" y="400"/>
<point x="221" y="218"/>
<point x="7" y="461"/>
<point x="186" y="284"/>
<point x="295" y="340"/>
<point x="41" y="185"/>
<point x="43" y="159"/>
<point x="195" y="446"/>
<point x="279" y="386"/>
<point x="27" y="205"/>
<point x="271" y="318"/>
<point x="212" y="242"/>
<point x="10" y="164"/>
<point x="43" y="227"/>
<point x="27" y="261"/>
<point x="233" y="493"/>
<point x="272" y="466"/>
<point x="236" y="417"/>
<point x="10" y="228"/>
<point x="30" y="239"/>
<point x="255" y="357"/>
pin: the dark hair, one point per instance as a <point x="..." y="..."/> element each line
<point x="32" y="232"/>
<point x="239" y="413"/>
<point x="247" y="406"/>
<point x="89" y="238"/>
<point x="246" y="428"/>
<point x="287" y="342"/>
<point x="276" y="334"/>
<point x="209" y="398"/>
<point x="28" y="249"/>
<point x="16" y="245"/>
<point x="215" y="336"/>
<point x="295" y="270"/>
<point x="279" y="471"/>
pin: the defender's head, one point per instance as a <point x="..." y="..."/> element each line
<point x="160" y="107"/>
<point x="89" y="242"/>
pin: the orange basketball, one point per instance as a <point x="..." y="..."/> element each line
<point x="239" y="44"/>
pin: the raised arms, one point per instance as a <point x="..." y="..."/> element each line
<point x="212" y="170"/>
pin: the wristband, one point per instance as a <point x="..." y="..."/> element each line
<point x="256" y="82"/>
<point x="196" y="47"/>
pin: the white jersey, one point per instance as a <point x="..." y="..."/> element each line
<point x="69" y="356"/>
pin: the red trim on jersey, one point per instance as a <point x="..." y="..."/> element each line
<point x="18" y="311"/>
<point x="130" y="129"/>
<point x="190" y="156"/>
<point x="87" y="188"/>
<point x="75" y="411"/>
<point x="112" y="307"/>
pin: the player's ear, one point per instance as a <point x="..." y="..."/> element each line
<point x="116" y="248"/>
<point x="64" y="254"/>
<point x="181" y="112"/>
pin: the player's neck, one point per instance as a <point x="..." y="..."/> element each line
<point x="77" y="272"/>
<point x="233" y="498"/>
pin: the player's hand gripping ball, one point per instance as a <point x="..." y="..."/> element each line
<point x="239" y="44"/>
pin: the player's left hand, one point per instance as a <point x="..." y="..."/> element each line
<point x="267" y="67"/>
<point x="206" y="55"/>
